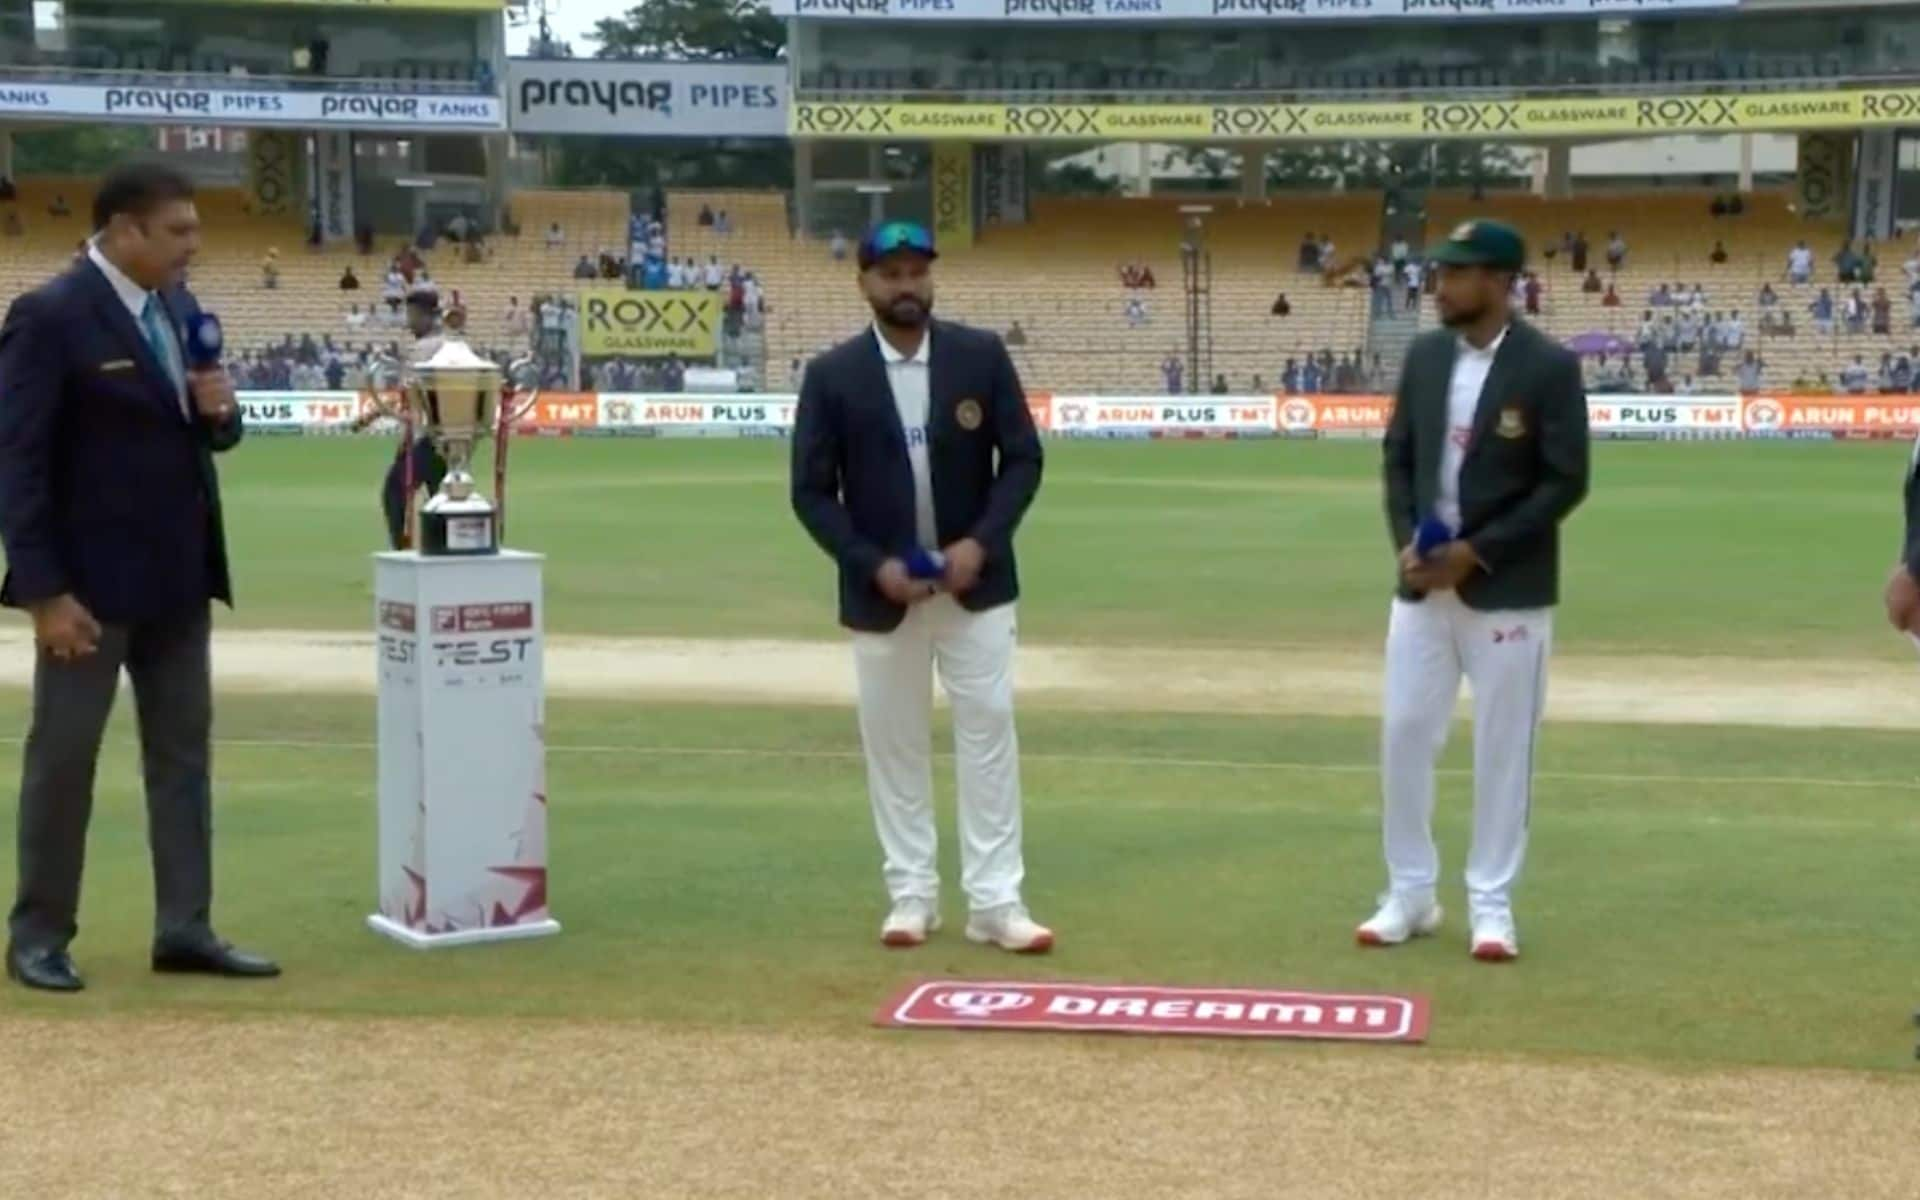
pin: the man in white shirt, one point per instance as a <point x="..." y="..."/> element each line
<point x="1486" y="454"/>
<point x="1799" y="263"/>
<point x="926" y="576"/>
<point x="715" y="276"/>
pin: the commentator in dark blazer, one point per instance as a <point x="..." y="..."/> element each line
<point x="853" y="488"/>
<point x="1526" y="462"/>
<point x="110" y="515"/>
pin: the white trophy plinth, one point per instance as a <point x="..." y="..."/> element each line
<point x="462" y="754"/>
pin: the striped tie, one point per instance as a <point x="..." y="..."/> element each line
<point x="155" y="327"/>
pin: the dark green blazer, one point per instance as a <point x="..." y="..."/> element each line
<point x="1526" y="466"/>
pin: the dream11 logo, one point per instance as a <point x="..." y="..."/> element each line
<point x="983" y="1003"/>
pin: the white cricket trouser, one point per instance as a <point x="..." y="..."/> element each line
<point x="895" y="670"/>
<point x="1503" y="655"/>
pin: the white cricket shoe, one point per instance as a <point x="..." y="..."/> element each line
<point x="908" y="924"/>
<point x="1010" y="928"/>
<point x="1494" y="939"/>
<point x="1400" y="917"/>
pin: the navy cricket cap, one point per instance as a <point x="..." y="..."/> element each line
<point x="889" y="237"/>
<point x="1482" y="244"/>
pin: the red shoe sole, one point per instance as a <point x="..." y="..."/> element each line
<point x="1367" y="937"/>
<point x="1040" y="946"/>
<point x="900" y="941"/>
<point x="1493" y="952"/>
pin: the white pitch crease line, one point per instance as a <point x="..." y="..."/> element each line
<point x="1116" y="760"/>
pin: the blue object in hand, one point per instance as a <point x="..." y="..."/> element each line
<point x="926" y="564"/>
<point x="204" y="340"/>
<point x="1431" y="534"/>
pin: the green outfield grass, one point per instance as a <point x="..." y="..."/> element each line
<point x="1697" y="895"/>
<point x="1769" y="549"/>
<point x="1694" y="898"/>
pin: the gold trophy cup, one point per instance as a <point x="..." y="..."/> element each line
<point x="456" y="398"/>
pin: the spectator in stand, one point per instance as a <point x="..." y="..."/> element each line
<point x="1822" y="312"/>
<point x="1709" y="364"/>
<point x="1311" y="377"/>
<point x="676" y="275"/>
<point x="1290" y="378"/>
<point x="1172" y="370"/>
<point x="1577" y="256"/>
<point x="653" y="274"/>
<point x="1768" y="297"/>
<point x="1902" y="375"/>
<point x="1718" y="255"/>
<point x="1883" y="375"/>
<point x="423" y="285"/>
<point x="1136" y="312"/>
<point x="1219" y="387"/>
<point x="1867" y="264"/>
<point x="1380" y="287"/>
<point x="756" y="295"/>
<point x="1591" y="285"/>
<point x="270" y="269"/>
<point x="59" y="207"/>
<point x="1911" y="269"/>
<point x="1310" y="253"/>
<point x="555" y="237"/>
<point x="1697" y="298"/>
<point x="838" y="247"/>
<point x="1398" y="252"/>
<point x="714" y="275"/>
<point x="1855" y="312"/>
<point x="349" y="282"/>
<point x="515" y="322"/>
<point x="1846" y="263"/>
<point x="1776" y="322"/>
<point x="1531" y="290"/>
<point x="1326" y="253"/>
<point x="1655" y="358"/>
<point x="1799" y="264"/>
<point x="1882" y="312"/>
<point x="1611" y="299"/>
<point x="1748" y="375"/>
<point x="722" y="223"/>
<point x="1016" y="336"/>
<point x="1282" y="307"/>
<point x="705" y="219"/>
<point x="796" y="373"/>
<point x="1616" y="251"/>
<point x="355" y="318"/>
<point x="1854" y="377"/>
<point x="1660" y="297"/>
<point x="584" y="269"/>
<point x="1733" y="333"/>
<point x="1687" y="386"/>
<point x="1412" y="275"/>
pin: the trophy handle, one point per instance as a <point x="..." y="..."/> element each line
<point x="512" y="412"/>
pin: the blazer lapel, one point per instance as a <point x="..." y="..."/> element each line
<point x="107" y="303"/>
<point x="940" y="364"/>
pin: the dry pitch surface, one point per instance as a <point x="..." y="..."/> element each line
<point x="136" y="1107"/>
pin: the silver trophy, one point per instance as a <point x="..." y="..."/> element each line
<point x="456" y="398"/>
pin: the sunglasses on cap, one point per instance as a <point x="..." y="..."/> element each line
<point x="896" y="235"/>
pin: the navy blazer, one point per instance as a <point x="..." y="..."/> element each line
<point x="853" y="485"/>
<point x="106" y="490"/>
<point x="1527" y="466"/>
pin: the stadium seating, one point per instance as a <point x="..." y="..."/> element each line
<point x="1670" y="234"/>
<point x="1058" y="277"/>
<point x="308" y="298"/>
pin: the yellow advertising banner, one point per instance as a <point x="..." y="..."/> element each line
<point x="273" y="172"/>
<point x="1822" y="181"/>
<point x="618" y="322"/>
<point x="1483" y="120"/>
<point x="953" y="195"/>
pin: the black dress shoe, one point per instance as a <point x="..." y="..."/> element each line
<point x="47" y="970"/>
<point x="213" y="958"/>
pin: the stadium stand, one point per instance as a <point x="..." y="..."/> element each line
<point x="1059" y="278"/>
<point x="1670" y="236"/>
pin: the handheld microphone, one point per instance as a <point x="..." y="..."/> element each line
<point x="204" y="341"/>
<point x="926" y="564"/>
<point x="1431" y="534"/>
